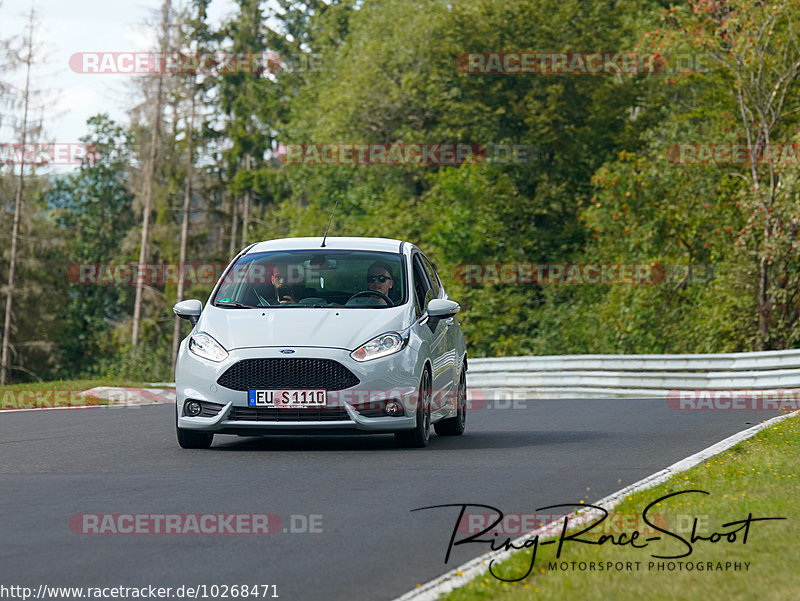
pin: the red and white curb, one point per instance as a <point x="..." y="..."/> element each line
<point x="114" y="397"/>
<point x="132" y="396"/>
<point x="460" y="576"/>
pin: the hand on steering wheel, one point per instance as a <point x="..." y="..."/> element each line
<point x="373" y="293"/>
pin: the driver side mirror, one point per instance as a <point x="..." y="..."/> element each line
<point x="441" y="308"/>
<point x="189" y="309"/>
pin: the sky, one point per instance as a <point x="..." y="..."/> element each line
<point x="67" y="27"/>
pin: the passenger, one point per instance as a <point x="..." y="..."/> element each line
<point x="283" y="293"/>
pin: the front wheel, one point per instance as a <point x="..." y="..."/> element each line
<point x="454" y="426"/>
<point x="421" y="434"/>
<point x="191" y="439"/>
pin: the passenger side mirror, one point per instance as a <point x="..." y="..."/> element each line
<point x="441" y="308"/>
<point x="188" y="309"/>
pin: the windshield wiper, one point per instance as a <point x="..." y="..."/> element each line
<point x="233" y="305"/>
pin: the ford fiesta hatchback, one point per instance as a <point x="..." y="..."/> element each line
<point x="313" y="335"/>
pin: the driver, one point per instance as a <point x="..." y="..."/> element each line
<point x="379" y="279"/>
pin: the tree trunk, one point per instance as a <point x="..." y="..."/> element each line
<point x="763" y="306"/>
<point x="187" y="200"/>
<point x="12" y="262"/>
<point x="149" y="176"/>
<point x="246" y="208"/>
<point x="234" y="223"/>
<point x="245" y="217"/>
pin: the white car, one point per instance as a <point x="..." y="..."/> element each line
<point x="313" y="335"/>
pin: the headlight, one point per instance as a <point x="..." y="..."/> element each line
<point x="203" y="345"/>
<point x="380" y="346"/>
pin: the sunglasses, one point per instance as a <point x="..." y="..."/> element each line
<point x="378" y="278"/>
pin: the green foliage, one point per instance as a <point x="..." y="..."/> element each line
<point x="92" y="208"/>
<point x="393" y="79"/>
<point x="602" y="182"/>
<point x="34" y="352"/>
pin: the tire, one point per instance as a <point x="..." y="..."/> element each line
<point x="454" y="426"/>
<point x="190" y="439"/>
<point x="421" y="434"/>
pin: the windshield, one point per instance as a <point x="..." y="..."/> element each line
<point x="314" y="278"/>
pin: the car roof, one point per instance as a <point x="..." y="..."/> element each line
<point x="331" y="243"/>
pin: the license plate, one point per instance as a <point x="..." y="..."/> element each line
<point x="286" y="399"/>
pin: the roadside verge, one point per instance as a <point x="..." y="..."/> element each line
<point x="757" y="475"/>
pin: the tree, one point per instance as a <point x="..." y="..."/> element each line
<point x="91" y="207"/>
<point x="246" y="100"/>
<point x="149" y="175"/>
<point x="8" y="95"/>
<point x="198" y="35"/>
<point x="756" y="45"/>
<point x="405" y="56"/>
<point x="18" y="201"/>
<point x="744" y="213"/>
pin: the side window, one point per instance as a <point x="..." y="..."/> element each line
<point x="422" y="290"/>
<point x="433" y="277"/>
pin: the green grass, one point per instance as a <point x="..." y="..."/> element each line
<point x="60" y="393"/>
<point x="758" y="476"/>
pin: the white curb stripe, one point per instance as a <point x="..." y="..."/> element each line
<point x="430" y="591"/>
<point x="3" y="411"/>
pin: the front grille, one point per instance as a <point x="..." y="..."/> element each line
<point x="260" y="414"/>
<point x="287" y="374"/>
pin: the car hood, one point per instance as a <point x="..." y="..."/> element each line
<point x="333" y="328"/>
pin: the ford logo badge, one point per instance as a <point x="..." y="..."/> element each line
<point x="287" y="351"/>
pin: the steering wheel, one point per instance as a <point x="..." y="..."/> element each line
<point x="373" y="293"/>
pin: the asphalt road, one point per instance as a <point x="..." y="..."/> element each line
<point x="54" y="464"/>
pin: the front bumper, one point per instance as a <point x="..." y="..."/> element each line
<point x="388" y="378"/>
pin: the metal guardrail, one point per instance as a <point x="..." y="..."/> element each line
<point x="635" y="375"/>
<point x="582" y="376"/>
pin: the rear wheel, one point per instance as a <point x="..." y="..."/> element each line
<point x="454" y="426"/>
<point x="421" y="434"/>
<point x="191" y="439"/>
